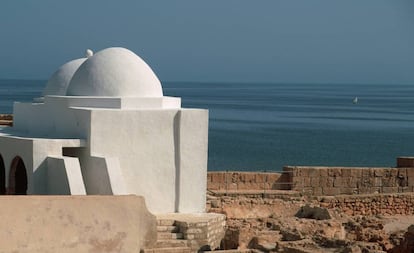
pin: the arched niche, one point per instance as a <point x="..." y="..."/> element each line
<point x="17" y="177"/>
<point x="2" y="176"/>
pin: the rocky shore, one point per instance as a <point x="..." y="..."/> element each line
<point x="289" y="221"/>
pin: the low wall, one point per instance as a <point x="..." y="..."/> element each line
<point x="75" y="224"/>
<point x="372" y="204"/>
<point x="240" y="181"/>
<point x="319" y="181"/>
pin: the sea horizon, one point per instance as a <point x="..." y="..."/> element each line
<point x="264" y="126"/>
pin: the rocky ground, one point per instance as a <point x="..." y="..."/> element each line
<point x="296" y="224"/>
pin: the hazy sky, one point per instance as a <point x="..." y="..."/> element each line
<point x="341" y="41"/>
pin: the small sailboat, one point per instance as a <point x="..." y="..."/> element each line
<point x="355" y="100"/>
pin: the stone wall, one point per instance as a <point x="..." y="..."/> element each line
<point x="371" y="204"/>
<point x="318" y="181"/>
<point x="331" y="181"/>
<point x="242" y="181"/>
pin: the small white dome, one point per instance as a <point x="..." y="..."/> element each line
<point x="115" y="72"/>
<point x="59" y="81"/>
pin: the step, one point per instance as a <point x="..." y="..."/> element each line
<point x="165" y="222"/>
<point x="170" y="243"/>
<point x="171" y="229"/>
<point x="167" y="235"/>
<point x="167" y="250"/>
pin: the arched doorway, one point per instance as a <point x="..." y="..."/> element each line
<point x="17" y="177"/>
<point x="2" y="177"/>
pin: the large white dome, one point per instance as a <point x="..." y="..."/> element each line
<point x="115" y="72"/>
<point x="59" y="81"/>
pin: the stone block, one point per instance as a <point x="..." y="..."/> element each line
<point x="217" y="177"/>
<point x="379" y="172"/>
<point x="365" y="182"/>
<point x="248" y="177"/>
<point x="307" y="182"/>
<point x="403" y="189"/>
<point x="194" y="230"/>
<point x="326" y="181"/>
<point x="234" y="177"/>
<point x="389" y="182"/>
<point x="331" y="191"/>
<point x="351" y="182"/>
<point x="307" y="191"/>
<point x="335" y="172"/>
<point x="261" y="177"/>
<point x="369" y="190"/>
<point x="231" y="186"/>
<point x="377" y="182"/>
<point x="323" y="172"/>
<point x="313" y="172"/>
<point x="317" y="191"/>
<point x="297" y="183"/>
<point x="301" y="172"/>
<point x="367" y="172"/>
<point x="394" y="172"/>
<point x="389" y="189"/>
<point x="268" y="186"/>
<point x="315" y="181"/>
<point x="213" y="186"/>
<point x="347" y="172"/>
<point x="356" y="173"/>
<point x="349" y="190"/>
<point x="338" y="182"/>
<point x="245" y="186"/>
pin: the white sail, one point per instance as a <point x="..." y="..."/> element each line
<point x="355" y="100"/>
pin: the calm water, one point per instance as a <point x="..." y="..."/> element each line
<point x="265" y="126"/>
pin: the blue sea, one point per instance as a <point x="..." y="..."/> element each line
<point x="256" y="126"/>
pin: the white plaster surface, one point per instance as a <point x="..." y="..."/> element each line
<point x="143" y="141"/>
<point x="115" y="72"/>
<point x="162" y="157"/>
<point x="59" y="81"/>
<point x="34" y="153"/>
<point x="118" y="132"/>
<point x="192" y="172"/>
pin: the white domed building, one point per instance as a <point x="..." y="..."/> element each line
<point x="104" y="127"/>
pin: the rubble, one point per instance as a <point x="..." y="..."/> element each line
<point x="308" y="225"/>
